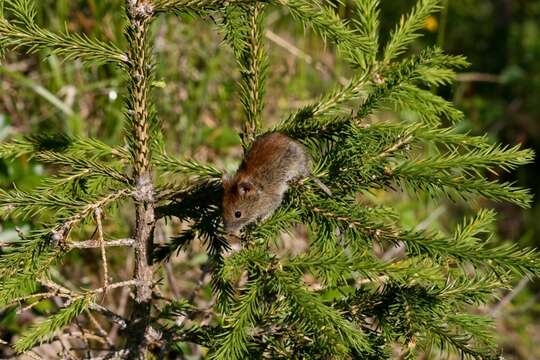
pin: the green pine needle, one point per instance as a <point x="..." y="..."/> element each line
<point x="45" y="330"/>
<point x="68" y="45"/>
<point x="407" y="30"/>
<point x="234" y="343"/>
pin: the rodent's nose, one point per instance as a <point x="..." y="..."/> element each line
<point x="233" y="238"/>
<point x="233" y="232"/>
<point x="230" y="229"/>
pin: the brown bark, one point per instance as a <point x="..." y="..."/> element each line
<point x="140" y="13"/>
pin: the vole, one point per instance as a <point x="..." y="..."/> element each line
<point x="257" y="188"/>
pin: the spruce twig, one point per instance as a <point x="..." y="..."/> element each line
<point x="23" y="31"/>
<point x="254" y="63"/>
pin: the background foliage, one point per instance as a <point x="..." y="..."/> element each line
<point x="198" y="108"/>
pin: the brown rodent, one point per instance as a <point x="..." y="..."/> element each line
<point x="257" y="188"/>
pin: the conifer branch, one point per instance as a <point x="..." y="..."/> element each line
<point x="333" y="268"/>
<point x="354" y="89"/>
<point x="472" y="162"/>
<point x="45" y="330"/>
<point x="398" y="145"/>
<point x="407" y="30"/>
<point x="390" y="78"/>
<point x="321" y="321"/>
<point x="23" y="32"/>
<point x="281" y="222"/>
<point x="367" y="23"/>
<point x="456" y="186"/>
<point x="327" y="24"/>
<point x="182" y="6"/>
<point x="12" y="291"/>
<point x="374" y="95"/>
<point x="27" y="204"/>
<point x="436" y="76"/>
<point x="32" y="257"/>
<point x="61" y="143"/>
<point x="253" y="68"/>
<point x="451" y="336"/>
<point x="234" y="344"/>
<point x="82" y="167"/>
<point x="21" y="265"/>
<point x="426" y="105"/>
<point x="187" y="168"/>
<point x="243" y="28"/>
<point x="467" y="246"/>
<point x="449" y="138"/>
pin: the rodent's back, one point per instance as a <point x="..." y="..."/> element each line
<point x="274" y="158"/>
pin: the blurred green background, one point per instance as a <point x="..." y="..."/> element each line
<point x="200" y="110"/>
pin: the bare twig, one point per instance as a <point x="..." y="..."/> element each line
<point x="27" y="307"/>
<point x="509" y="297"/>
<point x="99" y="328"/>
<point x="121" y="307"/>
<point x="113" y="355"/>
<point x="44" y="295"/>
<point x="86" y="347"/>
<point x="191" y="298"/>
<point x="71" y="294"/>
<point x="114" y="317"/>
<point x="103" y="253"/>
<point x="478" y="77"/>
<point x="32" y="355"/>
<point x="200" y="282"/>
<point x="308" y="59"/>
<point x="170" y="280"/>
<point x="59" y="289"/>
<point x="161" y="239"/>
<point x="93" y="244"/>
<point x="67" y="353"/>
<point x="59" y="339"/>
<point x="85" y="335"/>
<point x="117" y="285"/>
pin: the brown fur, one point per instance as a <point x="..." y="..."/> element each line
<point x="257" y="188"/>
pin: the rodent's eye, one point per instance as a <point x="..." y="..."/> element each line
<point x="237" y="214"/>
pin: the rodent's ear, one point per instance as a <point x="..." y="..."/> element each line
<point x="246" y="188"/>
<point x="226" y="180"/>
